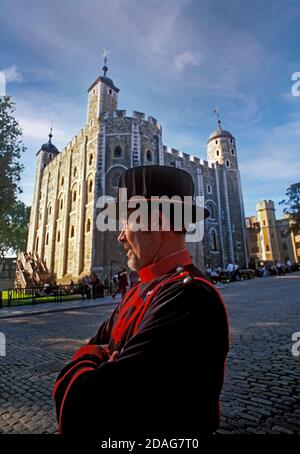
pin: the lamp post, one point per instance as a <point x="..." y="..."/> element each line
<point x="110" y="275"/>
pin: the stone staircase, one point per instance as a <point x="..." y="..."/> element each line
<point x="31" y="271"/>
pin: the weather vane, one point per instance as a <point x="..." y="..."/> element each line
<point x="217" y="112"/>
<point x="104" y="55"/>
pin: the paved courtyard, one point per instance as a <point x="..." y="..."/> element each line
<point x="262" y="382"/>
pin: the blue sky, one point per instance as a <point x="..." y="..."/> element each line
<point x="172" y="59"/>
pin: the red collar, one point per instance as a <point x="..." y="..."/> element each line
<point x="164" y="265"/>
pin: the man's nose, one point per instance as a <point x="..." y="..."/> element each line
<point x="122" y="236"/>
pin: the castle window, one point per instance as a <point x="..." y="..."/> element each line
<point x="212" y="210"/>
<point x="232" y="151"/>
<point x="47" y="239"/>
<point x="91" y="159"/>
<point x="72" y="231"/>
<point x="115" y="180"/>
<point x="118" y="152"/>
<point x="88" y="225"/>
<point x="227" y="163"/>
<point x="217" y="162"/>
<point x="213" y="240"/>
<point x="110" y="91"/>
<point x="50" y="156"/>
<point x="267" y="247"/>
<point x="91" y="186"/>
<point x="74" y="196"/>
<point x="208" y="188"/>
<point x="231" y="140"/>
<point x="49" y="210"/>
<point x="218" y="152"/>
<point x="58" y="237"/>
<point x="149" y="156"/>
<point x="75" y="172"/>
<point x="264" y="222"/>
<point x="61" y="204"/>
<point x="216" y="142"/>
<point x="62" y="181"/>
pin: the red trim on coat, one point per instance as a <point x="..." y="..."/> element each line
<point x="72" y="368"/>
<point x="75" y="376"/>
<point x="166" y="264"/>
<point x="153" y="292"/>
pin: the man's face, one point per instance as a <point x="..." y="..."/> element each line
<point x="141" y="247"/>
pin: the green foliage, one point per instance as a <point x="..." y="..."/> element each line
<point x="292" y="206"/>
<point x="13" y="213"/>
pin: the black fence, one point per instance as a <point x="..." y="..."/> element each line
<point x="54" y="293"/>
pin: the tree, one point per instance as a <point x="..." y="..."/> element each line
<point x="14" y="230"/>
<point x="13" y="213"/>
<point x="11" y="149"/>
<point x="292" y="203"/>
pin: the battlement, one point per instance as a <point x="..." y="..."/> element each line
<point x="138" y="115"/>
<point x="265" y="205"/>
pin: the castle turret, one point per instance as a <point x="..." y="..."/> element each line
<point x="270" y="249"/>
<point x="221" y="152"/>
<point x="45" y="155"/>
<point x="221" y="148"/>
<point x="102" y="98"/>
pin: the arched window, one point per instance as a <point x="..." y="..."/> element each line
<point x="58" y="236"/>
<point x="74" y="196"/>
<point x="47" y="239"/>
<point x="90" y="186"/>
<point x="232" y="151"/>
<point x="216" y="142"/>
<point x="91" y="159"/>
<point x="213" y="240"/>
<point x="211" y="208"/>
<point x="75" y="172"/>
<point x="37" y="244"/>
<point x="227" y="163"/>
<point x="49" y="210"/>
<point x="218" y="152"/>
<point x="72" y="231"/>
<point x="149" y="156"/>
<point x="62" y="181"/>
<point x="88" y="225"/>
<point x="115" y="180"/>
<point x="118" y="152"/>
<point x="61" y="203"/>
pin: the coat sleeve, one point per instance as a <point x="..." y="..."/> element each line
<point x="104" y="332"/>
<point x="93" y="395"/>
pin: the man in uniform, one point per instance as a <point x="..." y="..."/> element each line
<point x="156" y="365"/>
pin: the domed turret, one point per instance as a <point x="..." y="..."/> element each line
<point x="49" y="147"/>
<point x="219" y="132"/>
<point x="221" y="147"/>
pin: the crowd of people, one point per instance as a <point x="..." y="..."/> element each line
<point x="278" y="268"/>
<point x="93" y="287"/>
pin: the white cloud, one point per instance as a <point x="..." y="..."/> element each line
<point x="186" y="58"/>
<point x="12" y="74"/>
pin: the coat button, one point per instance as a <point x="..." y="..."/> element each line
<point x="187" y="279"/>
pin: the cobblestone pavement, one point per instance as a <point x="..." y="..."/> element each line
<point x="262" y="382"/>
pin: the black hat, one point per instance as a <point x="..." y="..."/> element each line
<point x="156" y="180"/>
